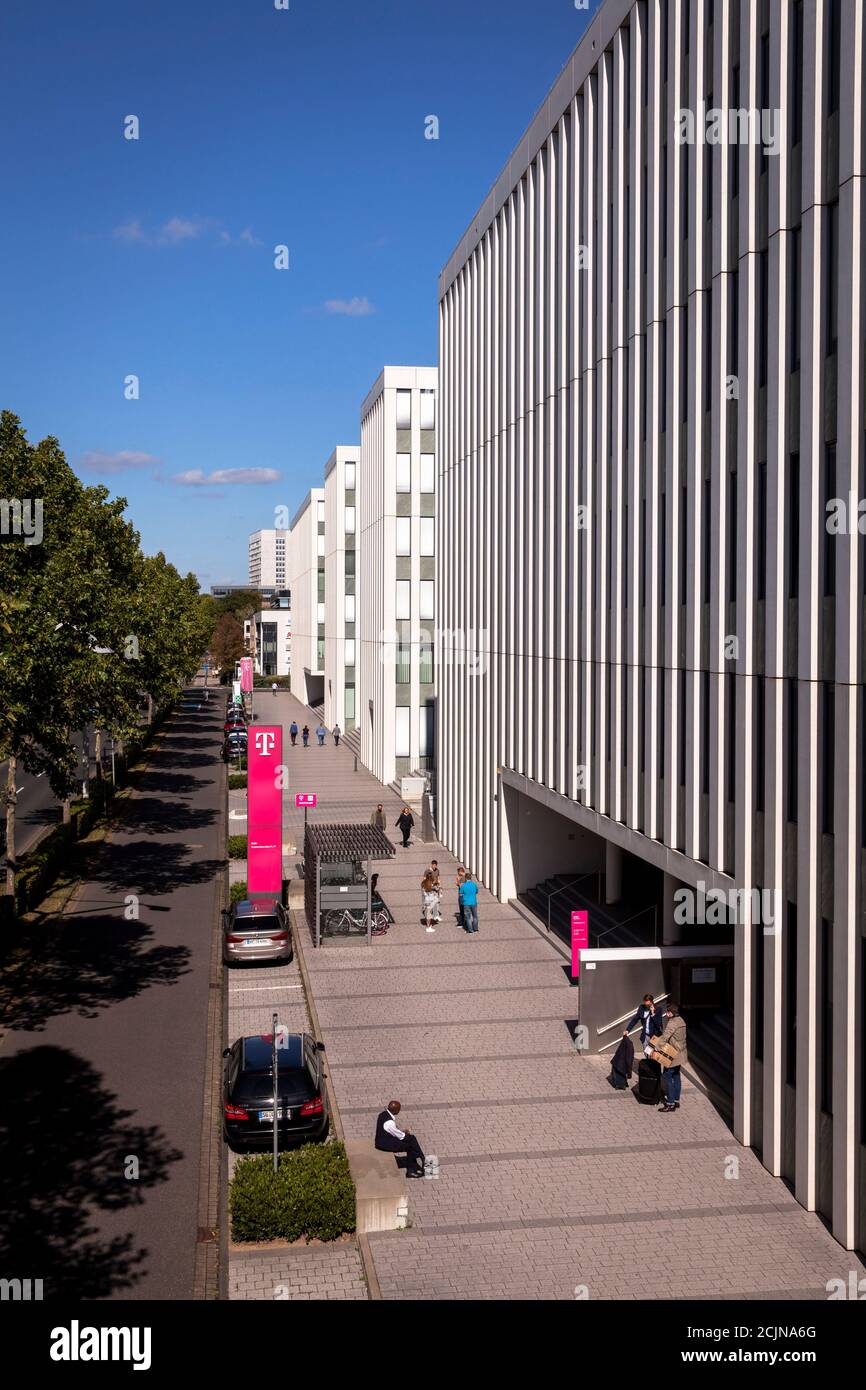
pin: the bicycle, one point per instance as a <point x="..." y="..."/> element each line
<point x="343" y="923"/>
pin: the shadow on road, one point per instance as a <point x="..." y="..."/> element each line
<point x="149" y="815"/>
<point x="87" y="965"/>
<point x="132" y="866"/>
<point x="64" y="1150"/>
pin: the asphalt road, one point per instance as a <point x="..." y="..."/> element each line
<point x="103" y="1054"/>
<point x="36" y="806"/>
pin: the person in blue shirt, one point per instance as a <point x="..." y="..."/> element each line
<point x="469" y="903"/>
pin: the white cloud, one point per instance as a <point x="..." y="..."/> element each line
<point x="178" y="229"/>
<point x="358" y="307"/>
<point x="130" y="231"/>
<point x="95" y="461"/>
<point x="231" y="477"/>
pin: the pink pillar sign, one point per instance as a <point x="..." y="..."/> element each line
<point x="264" y="810"/>
<point x="579" y="939"/>
<point x="246" y="674"/>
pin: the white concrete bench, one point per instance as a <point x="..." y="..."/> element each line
<point x="381" y="1188"/>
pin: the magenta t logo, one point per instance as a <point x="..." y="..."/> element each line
<point x="264" y="741"/>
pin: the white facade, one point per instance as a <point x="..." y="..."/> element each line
<point x="652" y="384"/>
<point x="340" y="594"/>
<point x="269" y="562"/>
<point x="396" y="572"/>
<point x="270" y="641"/>
<point x="307" y="584"/>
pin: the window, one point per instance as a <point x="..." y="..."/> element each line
<point x="404" y="410"/>
<point x="403" y="673"/>
<point x="425" y="730"/>
<point x="320" y="614"/>
<point x="350" y="521"/>
<point x="320" y="511"/>
<point x="349" y="609"/>
<point x="349" y="704"/>
<point x="791" y="996"/>
<point x="793" y="750"/>
<point x="320" y="549"/>
<point x="428" y="535"/>
<point x="402" y="732"/>
<point x="320" y="653"/>
<point x="349" y="651"/>
<point x="425" y="664"/>
<point x="829" y="753"/>
<point x="794" y="526"/>
<point x="428" y="472"/>
<point x="350" y="564"/>
<point x="350" y="477"/>
<point x="794" y="345"/>
<point x="404" y="472"/>
<point x="403" y="607"/>
<point x="826" y="1016"/>
<point x="427" y="402"/>
<point x="426" y="600"/>
<point x="404" y="535"/>
<point x="831" y="271"/>
<point x="830" y="540"/>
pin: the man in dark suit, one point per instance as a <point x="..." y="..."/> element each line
<point x="392" y="1139"/>
<point x="651" y="1019"/>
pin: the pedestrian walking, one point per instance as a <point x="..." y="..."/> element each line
<point x="469" y="902"/>
<point x="273" y="687"/>
<point x="671" y="1054"/>
<point x="405" y="821"/>
<point x="320" y="735"/>
<point x="429" y="900"/>
<point x="461" y="874"/>
<point x="392" y="1139"/>
<point x="293" y="730"/>
<point x="379" y="819"/>
<point x="305" y="735"/>
<point x="338" y="734"/>
<point x="434" y="871"/>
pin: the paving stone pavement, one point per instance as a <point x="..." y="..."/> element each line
<point x="330" y="1271"/>
<point x="551" y="1182"/>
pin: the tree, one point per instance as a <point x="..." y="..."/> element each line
<point x="227" y="642"/>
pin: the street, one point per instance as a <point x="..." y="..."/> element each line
<point x="102" y="1059"/>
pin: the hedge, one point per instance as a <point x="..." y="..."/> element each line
<point x="311" y="1195"/>
<point x="237" y="781"/>
<point x="237" y="846"/>
<point x="238" y="892"/>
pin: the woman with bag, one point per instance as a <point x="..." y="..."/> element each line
<point x="669" y="1050"/>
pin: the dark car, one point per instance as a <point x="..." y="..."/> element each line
<point x="248" y="1091"/>
<point x="256" y="931"/>
<point x="235" y="745"/>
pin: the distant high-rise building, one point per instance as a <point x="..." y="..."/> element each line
<point x="268" y="559"/>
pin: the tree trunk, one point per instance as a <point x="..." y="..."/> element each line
<point x="150" y="709"/>
<point x="10" y="798"/>
<point x="98" y="740"/>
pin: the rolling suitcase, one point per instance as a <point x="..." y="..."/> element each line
<point x="649" y="1082"/>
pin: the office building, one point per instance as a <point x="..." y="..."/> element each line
<point x="269" y="640"/>
<point x="340" y="616"/>
<point x="396" y="519"/>
<point x="268" y="559"/>
<point x="652" y="400"/>
<point x="306" y="549"/>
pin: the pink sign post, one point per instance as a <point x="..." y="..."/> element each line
<point x="264" y="811"/>
<point x="579" y="939"/>
<point x="247" y="674"/>
<point x="305" y="799"/>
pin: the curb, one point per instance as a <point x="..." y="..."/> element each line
<point x="299" y="926"/>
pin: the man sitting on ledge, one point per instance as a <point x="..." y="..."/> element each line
<point x="398" y="1141"/>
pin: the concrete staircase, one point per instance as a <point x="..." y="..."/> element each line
<point x="611" y="924"/>
<point x="711" y="1053"/>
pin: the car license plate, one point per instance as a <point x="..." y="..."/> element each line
<point x="250" y="941"/>
<point x="268" y="1115"/>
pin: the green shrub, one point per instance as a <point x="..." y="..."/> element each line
<point x="238" y="892"/>
<point x="237" y="846"/>
<point x="311" y="1195"/>
<point x="237" y="781"/>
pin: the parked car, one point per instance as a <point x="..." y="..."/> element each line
<point x="248" y="1091"/>
<point x="234" y="746"/>
<point x="256" y="931"/>
<point x="234" y="721"/>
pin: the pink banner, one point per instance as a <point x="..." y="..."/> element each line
<point x="264" y="810"/>
<point x="246" y="673"/>
<point x="579" y="939"/>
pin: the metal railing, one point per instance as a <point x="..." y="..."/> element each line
<point x="643" y="912"/>
<point x="569" y="887"/>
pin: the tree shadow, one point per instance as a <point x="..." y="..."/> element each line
<point x="146" y="869"/>
<point x="88" y="965"/>
<point x="64" y="1151"/>
<point x="172" y="783"/>
<point x="152" y="816"/>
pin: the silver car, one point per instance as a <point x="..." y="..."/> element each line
<point x="256" y="932"/>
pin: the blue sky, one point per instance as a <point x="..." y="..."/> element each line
<point x="258" y="126"/>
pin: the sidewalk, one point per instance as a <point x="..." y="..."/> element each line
<point x="552" y="1184"/>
